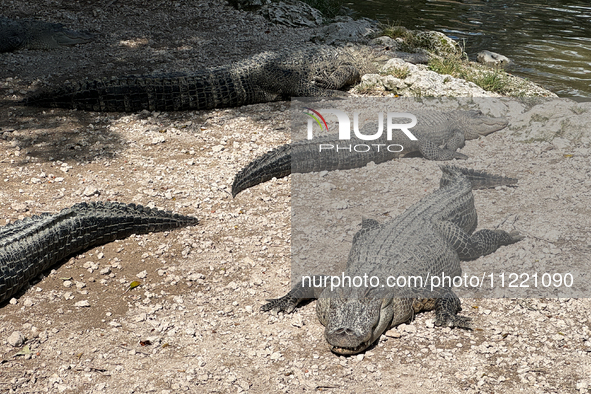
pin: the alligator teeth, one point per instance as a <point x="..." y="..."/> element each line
<point x="349" y="350"/>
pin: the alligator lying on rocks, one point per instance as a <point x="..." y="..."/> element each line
<point x="429" y="238"/>
<point x="31" y="34"/>
<point x="313" y="71"/>
<point x="439" y="135"/>
<point x="30" y="246"/>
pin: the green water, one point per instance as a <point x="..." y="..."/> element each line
<point x="548" y="41"/>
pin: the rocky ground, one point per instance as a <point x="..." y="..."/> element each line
<point x="194" y="323"/>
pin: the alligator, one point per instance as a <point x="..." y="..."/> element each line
<point x="312" y="71"/>
<point x="429" y="238"/>
<point x="32" y="34"/>
<point x="439" y="135"/>
<point x="32" y="245"/>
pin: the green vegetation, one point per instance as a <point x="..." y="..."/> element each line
<point x="396" y="32"/>
<point x="398" y="72"/>
<point x="447" y="66"/>
<point x="497" y="81"/>
<point x="449" y="58"/>
<point x="492" y="81"/>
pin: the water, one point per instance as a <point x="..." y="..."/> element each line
<point x="549" y="41"/>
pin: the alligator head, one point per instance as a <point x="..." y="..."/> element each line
<point x="353" y="322"/>
<point x="475" y="124"/>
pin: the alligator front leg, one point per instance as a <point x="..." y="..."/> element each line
<point x="297" y="294"/>
<point x="431" y="151"/>
<point x="446" y="310"/>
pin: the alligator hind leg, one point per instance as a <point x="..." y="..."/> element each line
<point x="344" y="75"/>
<point x="297" y="294"/>
<point x="446" y="311"/>
<point x="481" y="243"/>
<point x="458" y="141"/>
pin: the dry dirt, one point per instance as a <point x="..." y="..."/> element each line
<point x="194" y="324"/>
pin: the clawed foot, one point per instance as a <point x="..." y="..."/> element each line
<point x="449" y="320"/>
<point x="323" y="83"/>
<point x="509" y="238"/>
<point x="285" y="304"/>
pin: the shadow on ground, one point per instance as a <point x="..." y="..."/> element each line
<point x="50" y="135"/>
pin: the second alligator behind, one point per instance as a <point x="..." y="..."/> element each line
<point x="439" y="135"/>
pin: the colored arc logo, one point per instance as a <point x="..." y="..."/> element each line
<point x="316" y="117"/>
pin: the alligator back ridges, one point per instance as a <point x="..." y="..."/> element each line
<point x="152" y="92"/>
<point x="478" y="179"/>
<point x="33" y="245"/>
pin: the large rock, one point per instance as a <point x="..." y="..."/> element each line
<point x="492" y="59"/>
<point x="292" y="13"/>
<point x="346" y="30"/>
<point x="416" y="81"/>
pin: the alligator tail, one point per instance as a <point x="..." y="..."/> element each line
<point x="479" y="179"/>
<point x="274" y="164"/>
<point x="31" y="246"/>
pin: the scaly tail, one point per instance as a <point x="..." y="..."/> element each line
<point x="273" y="164"/>
<point x="31" y="246"/>
<point x="479" y="179"/>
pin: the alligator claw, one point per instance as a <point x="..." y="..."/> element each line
<point x="285" y="304"/>
<point x="448" y="320"/>
<point x="515" y="236"/>
<point x="509" y="238"/>
<point x="460" y="156"/>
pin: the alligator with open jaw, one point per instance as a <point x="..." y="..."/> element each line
<point x="429" y="238"/>
<point x="313" y="71"/>
<point x="439" y="135"/>
<point x="31" y="246"/>
<point x="31" y="34"/>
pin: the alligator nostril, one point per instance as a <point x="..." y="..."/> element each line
<point x="344" y="331"/>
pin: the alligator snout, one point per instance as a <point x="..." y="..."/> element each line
<point x="347" y="338"/>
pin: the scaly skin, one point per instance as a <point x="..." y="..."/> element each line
<point x="313" y="71"/>
<point x="439" y="135"/>
<point x="430" y="238"/>
<point x="31" y="246"/>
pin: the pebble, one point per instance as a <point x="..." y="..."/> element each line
<point x="90" y="191"/>
<point x="16" y="339"/>
<point x="218" y="345"/>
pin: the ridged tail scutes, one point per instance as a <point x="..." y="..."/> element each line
<point x="274" y="164"/>
<point x="478" y="179"/>
<point x="31" y="246"/>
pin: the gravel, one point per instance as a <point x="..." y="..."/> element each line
<point x="193" y="324"/>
